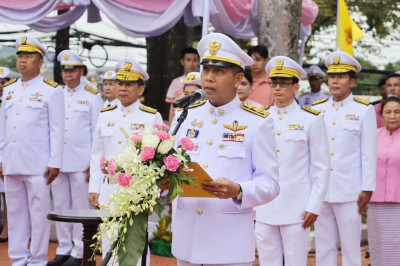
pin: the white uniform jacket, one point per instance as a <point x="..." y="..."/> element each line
<point x="352" y="137"/>
<point x="238" y="145"/>
<point x="82" y="108"/>
<point x="303" y="154"/>
<point x="31" y="127"/>
<point x="112" y="103"/>
<point x="109" y="139"/>
<point x="310" y="97"/>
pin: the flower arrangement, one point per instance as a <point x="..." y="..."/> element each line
<point x="148" y="159"/>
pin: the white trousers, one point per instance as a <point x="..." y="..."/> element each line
<point x="277" y="241"/>
<point x="28" y="203"/>
<point x="70" y="191"/>
<point x="186" y="263"/>
<point x="338" y="219"/>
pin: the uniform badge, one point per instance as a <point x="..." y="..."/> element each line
<point x="36" y="97"/>
<point x="293" y="127"/>
<point x="352" y="117"/>
<point x="137" y="126"/>
<point x="111" y="124"/>
<point x="192" y="133"/>
<point x="236" y="137"/>
<point x="213" y="47"/>
<point x="8" y="97"/>
<point x="83" y="102"/>
<point x="235" y="126"/>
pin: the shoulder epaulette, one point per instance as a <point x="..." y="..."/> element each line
<point x="320" y="101"/>
<point x="148" y="109"/>
<point x="91" y="90"/>
<point x="360" y="100"/>
<point x="10" y="82"/>
<point x="303" y="94"/>
<point x="108" y="108"/>
<point x="310" y="110"/>
<point x="260" y="111"/>
<point x="196" y="104"/>
<point x="50" y="82"/>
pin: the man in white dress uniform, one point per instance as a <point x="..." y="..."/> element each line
<point x="110" y="89"/>
<point x="315" y="78"/>
<point x="109" y="139"/>
<point x="31" y="148"/>
<point x="283" y="225"/>
<point x="236" y="147"/>
<point x="70" y="190"/>
<point x="351" y="127"/>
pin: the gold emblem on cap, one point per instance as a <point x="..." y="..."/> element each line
<point x="213" y="47"/>
<point x="191" y="77"/>
<point x="127" y="66"/>
<point x="23" y="40"/>
<point x="109" y="73"/>
<point x="66" y="57"/>
<point x="1" y="70"/>
<point x="279" y="65"/>
<point x="336" y="60"/>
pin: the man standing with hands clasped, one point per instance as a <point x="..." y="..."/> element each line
<point x="31" y="148"/>
<point x="283" y="225"/>
<point x="351" y="127"/>
<point x="235" y="145"/>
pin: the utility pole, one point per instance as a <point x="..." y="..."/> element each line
<point x="62" y="43"/>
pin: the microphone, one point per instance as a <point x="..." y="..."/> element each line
<point x="184" y="102"/>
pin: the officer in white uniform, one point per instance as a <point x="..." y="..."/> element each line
<point x="114" y="122"/>
<point x="110" y="89"/>
<point x="235" y="145"/>
<point x="5" y="76"/>
<point x="316" y="79"/>
<point x="351" y="128"/>
<point x="31" y="147"/>
<point x="70" y="190"/>
<point x="283" y="225"/>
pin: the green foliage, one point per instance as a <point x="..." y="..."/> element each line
<point x="163" y="231"/>
<point x="9" y="61"/>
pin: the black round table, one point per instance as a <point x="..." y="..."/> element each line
<point x="90" y="220"/>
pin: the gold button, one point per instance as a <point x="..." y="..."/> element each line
<point x="285" y="112"/>
<point x="209" y="142"/>
<point x="71" y="95"/>
<point x="20" y="100"/>
<point x="333" y="138"/>
<point x="69" y="106"/>
<point x="66" y="129"/>
<point x="15" y="127"/>
<point x="120" y="142"/>
<point x="332" y="153"/>
<point x="280" y="118"/>
<point x="205" y="165"/>
<point x="65" y="141"/>
<point x="278" y="133"/>
<point x="221" y="111"/>
<point x="334" y="123"/>
<point x="124" y="115"/>
<point x="199" y="211"/>
<point x="278" y="150"/>
<point x="337" y="109"/>
<point x="14" y="140"/>
<point x="17" y="113"/>
<point x="211" y="110"/>
<point x="67" y="117"/>
<point x="331" y="169"/>
<point x="214" y="121"/>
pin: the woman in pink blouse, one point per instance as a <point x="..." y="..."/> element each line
<point x="384" y="207"/>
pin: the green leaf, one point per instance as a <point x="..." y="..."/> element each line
<point x="130" y="251"/>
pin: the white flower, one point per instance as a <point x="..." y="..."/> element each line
<point x="150" y="141"/>
<point x="166" y="145"/>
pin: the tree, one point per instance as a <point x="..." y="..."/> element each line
<point x="279" y="26"/>
<point x="9" y="61"/>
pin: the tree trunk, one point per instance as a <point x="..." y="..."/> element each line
<point x="163" y="55"/>
<point x="279" y="26"/>
<point x="62" y="43"/>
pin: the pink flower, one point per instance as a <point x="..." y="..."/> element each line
<point x="147" y="153"/>
<point x="137" y="138"/>
<point x="187" y="144"/>
<point x="112" y="165"/>
<point x="161" y="126"/>
<point x="172" y="163"/>
<point x="163" y="135"/>
<point x="124" y="179"/>
<point x="103" y="163"/>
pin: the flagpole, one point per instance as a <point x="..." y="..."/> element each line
<point x="337" y="23"/>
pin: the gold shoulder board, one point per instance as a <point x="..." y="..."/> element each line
<point x="91" y="90"/>
<point x="360" y="100"/>
<point x="108" y="108"/>
<point x="260" y="111"/>
<point x="50" y="82"/>
<point x="196" y="104"/>
<point x="310" y="110"/>
<point x="10" y="82"/>
<point x="148" y="109"/>
<point x="320" y="101"/>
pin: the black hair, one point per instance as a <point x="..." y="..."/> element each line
<point x="392" y="75"/>
<point x="189" y="50"/>
<point x="85" y="70"/>
<point x="388" y="100"/>
<point x="260" y="49"/>
<point x="248" y="75"/>
<point x="381" y="82"/>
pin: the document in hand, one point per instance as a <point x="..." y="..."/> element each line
<point x="194" y="189"/>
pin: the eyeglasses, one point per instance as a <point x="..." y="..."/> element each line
<point x="281" y="84"/>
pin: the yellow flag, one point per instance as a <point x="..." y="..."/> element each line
<point x="348" y="31"/>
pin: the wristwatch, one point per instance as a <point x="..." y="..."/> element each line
<point x="239" y="196"/>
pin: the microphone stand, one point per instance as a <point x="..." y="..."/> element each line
<point x="180" y="119"/>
